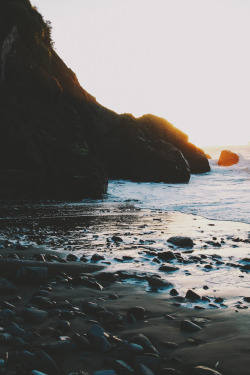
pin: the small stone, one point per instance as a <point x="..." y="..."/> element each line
<point x="6" y="286"/>
<point x="64" y="326"/>
<point x="33" y="315"/>
<point x="144" y="370"/>
<point x="192" y="295"/>
<point x="166" y="268"/>
<point x="170" y="371"/>
<point x="71" y="258"/>
<point x="203" y="370"/>
<point x="173" y="292"/>
<point x="34" y="274"/>
<point x="188" y="326"/>
<point x="181" y="241"/>
<point x="82" y="342"/>
<point x="166" y="255"/>
<point x="105" y="372"/>
<point x="97" y="257"/>
<point x="117" y="239"/>
<point x="157" y="282"/>
<point x="138" y="312"/>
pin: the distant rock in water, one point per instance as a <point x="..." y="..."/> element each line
<point x="228" y="158"/>
<point x="56" y="140"/>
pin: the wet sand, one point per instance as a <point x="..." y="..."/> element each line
<point x="221" y="341"/>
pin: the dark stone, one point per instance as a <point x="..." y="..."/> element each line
<point x="166" y="268"/>
<point x="82" y="342"/>
<point x="203" y="370"/>
<point x="59" y="347"/>
<point x="192" y="295"/>
<point x="72" y="258"/>
<point x="181" y="241"/>
<point x="138" y="312"/>
<point x="228" y="158"/>
<point x="142" y="340"/>
<point x="150" y="361"/>
<point x="33" y="274"/>
<point x="64" y="326"/>
<point x="43" y="362"/>
<point x="144" y="370"/>
<point x="117" y="239"/>
<point x="166" y="255"/>
<point x="6" y="287"/>
<point x="97" y="257"/>
<point x="170" y="371"/>
<point x="35" y="316"/>
<point x="57" y="140"/>
<point x="173" y="292"/>
<point x="188" y="326"/>
<point x="157" y="282"/>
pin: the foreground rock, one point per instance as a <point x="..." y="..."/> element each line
<point x="228" y="158"/>
<point x="56" y="139"/>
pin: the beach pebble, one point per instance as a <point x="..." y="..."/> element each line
<point x="43" y="362"/>
<point x="96" y="257"/>
<point x="7" y="314"/>
<point x="173" y="292"/>
<point x="59" y="347"/>
<point x="82" y="342"/>
<point x="157" y="282"/>
<point x="188" y="326"/>
<point x="166" y="268"/>
<point x="106" y="276"/>
<point x="142" y="340"/>
<point x="170" y="345"/>
<point x="120" y="366"/>
<point x="166" y="255"/>
<point x="33" y="315"/>
<point x="117" y="239"/>
<point x="120" y="353"/>
<point x="170" y="371"/>
<point x="150" y="361"/>
<point x="113" y="296"/>
<point x="144" y="370"/>
<point x="64" y="326"/>
<point x="105" y="372"/>
<point x="192" y="295"/>
<point x="34" y="274"/>
<point x="181" y="241"/>
<point x="71" y="258"/>
<point x="138" y="312"/>
<point x="7" y="287"/>
<point x="203" y="370"/>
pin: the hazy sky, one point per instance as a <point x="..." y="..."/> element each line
<point x="185" y="60"/>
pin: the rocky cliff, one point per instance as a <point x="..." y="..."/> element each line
<point x="56" y="139"/>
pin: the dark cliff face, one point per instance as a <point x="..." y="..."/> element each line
<point x="56" y="140"/>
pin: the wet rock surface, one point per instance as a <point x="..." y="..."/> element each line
<point x="63" y="315"/>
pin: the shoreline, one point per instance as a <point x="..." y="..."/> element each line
<point x="108" y="295"/>
<point x="124" y="312"/>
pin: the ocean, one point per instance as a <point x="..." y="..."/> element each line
<point x="222" y="194"/>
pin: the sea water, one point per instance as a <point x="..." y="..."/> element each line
<point x="222" y="194"/>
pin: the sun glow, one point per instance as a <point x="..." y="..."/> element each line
<point x="186" y="61"/>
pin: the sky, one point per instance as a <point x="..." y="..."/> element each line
<point x="185" y="60"/>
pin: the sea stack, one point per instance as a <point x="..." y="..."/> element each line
<point x="56" y="140"/>
<point x="228" y="158"/>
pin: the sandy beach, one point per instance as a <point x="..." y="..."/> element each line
<point x="121" y="313"/>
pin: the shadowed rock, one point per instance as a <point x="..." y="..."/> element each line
<point x="56" y="140"/>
